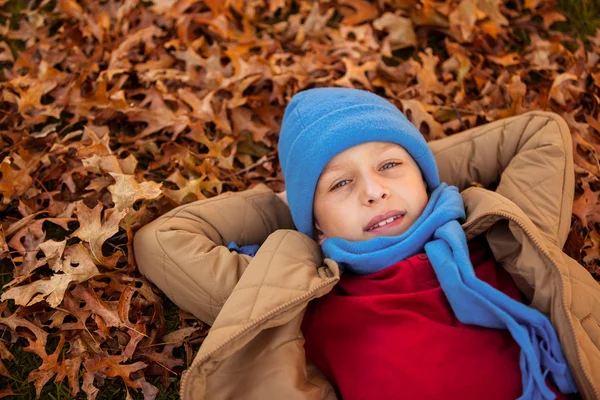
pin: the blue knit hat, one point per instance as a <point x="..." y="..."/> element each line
<point x="318" y="124"/>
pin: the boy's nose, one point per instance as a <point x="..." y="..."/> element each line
<point x="374" y="191"/>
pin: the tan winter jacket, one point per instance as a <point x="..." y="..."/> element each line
<point x="255" y="305"/>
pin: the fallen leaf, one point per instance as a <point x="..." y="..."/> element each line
<point x="506" y="60"/>
<point x="95" y="231"/>
<point x="424" y="121"/>
<point x="462" y="20"/>
<point x="126" y="190"/>
<point x="363" y="11"/>
<point x="52" y="290"/>
<point x="400" y="30"/>
<point x="586" y="207"/>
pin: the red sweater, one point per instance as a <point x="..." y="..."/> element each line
<point x="393" y="335"/>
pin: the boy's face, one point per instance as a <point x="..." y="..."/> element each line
<point x="364" y="185"/>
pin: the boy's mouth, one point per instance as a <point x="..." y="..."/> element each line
<point x="382" y="220"/>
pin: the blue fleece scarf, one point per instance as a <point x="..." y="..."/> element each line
<point x="439" y="233"/>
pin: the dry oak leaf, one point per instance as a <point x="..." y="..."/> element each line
<point x="591" y="248"/>
<point x="14" y="182"/>
<point x="462" y="20"/>
<point x="419" y="117"/>
<point x="163" y="358"/>
<point x="401" y="32"/>
<point x="356" y="73"/>
<point x="561" y="90"/>
<point x="14" y="321"/>
<point x="4" y="251"/>
<point x="506" y="60"/>
<point x="492" y="9"/>
<point x="587" y="207"/>
<point x="5" y="354"/>
<point x="127" y="190"/>
<point x="364" y="11"/>
<point x="118" y="58"/>
<point x="111" y="366"/>
<point x="550" y="17"/>
<point x="5" y="53"/>
<point x="53" y="252"/>
<point x="159" y="116"/>
<point x="106" y="316"/>
<point x="69" y="367"/>
<point x="426" y="76"/>
<point x="53" y="290"/>
<point x="177" y="337"/>
<point x="95" y="232"/>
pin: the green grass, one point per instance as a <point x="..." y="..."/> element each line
<point x="583" y="15"/>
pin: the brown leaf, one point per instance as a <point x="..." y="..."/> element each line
<point x="552" y="16"/>
<point x="111" y="366"/>
<point x="95" y="231"/>
<point x="5" y="354"/>
<point x="127" y="190"/>
<point x="400" y="30"/>
<point x="492" y="9"/>
<point x="52" y="290"/>
<point x="4" y="251"/>
<point x="561" y="90"/>
<point x="426" y="76"/>
<point x="177" y="337"/>
<point x="14" y="182"/>
<point x="417" y="113"/>
<point x="356" y="73"/>
<point x="587" y="207"/>
<point x="462" y="20"/>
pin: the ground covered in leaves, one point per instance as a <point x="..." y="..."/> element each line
<point x="113" y="112"/>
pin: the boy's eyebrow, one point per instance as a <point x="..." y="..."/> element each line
<point x="388" y="145"/>
<point x="330" y="168"/>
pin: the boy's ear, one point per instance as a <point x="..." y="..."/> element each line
<point x="318" y="234"/>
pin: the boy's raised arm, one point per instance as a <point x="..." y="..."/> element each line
<point x="184" y="251"/>
<point x="528" y="156"/>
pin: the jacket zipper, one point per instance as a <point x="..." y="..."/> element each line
<point x="248" y="327"/>
<point x="549" y="257"/>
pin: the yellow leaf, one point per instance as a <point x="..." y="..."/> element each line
<point x="127" y="190"/>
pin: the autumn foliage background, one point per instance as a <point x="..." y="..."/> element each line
<point x="114" y="112"/>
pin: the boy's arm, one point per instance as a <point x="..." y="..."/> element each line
<point x="184" y="252"/>
<point x="529" y="157"/>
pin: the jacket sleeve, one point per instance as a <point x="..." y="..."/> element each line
<point x="529" y="157"/>
<point x="184" y="252"/>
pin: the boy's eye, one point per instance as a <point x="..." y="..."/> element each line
<point x="389" y="165"/>
<point x="340" y="184"/>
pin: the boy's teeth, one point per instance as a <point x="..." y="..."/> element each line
<point x="385" y="222"/>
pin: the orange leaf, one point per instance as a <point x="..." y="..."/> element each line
<point x="363" y="11"/>
<point x="505" y="60"/>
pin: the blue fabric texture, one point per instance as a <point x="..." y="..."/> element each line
<point x="320" y="123"/>
<point x="249" y="250"/>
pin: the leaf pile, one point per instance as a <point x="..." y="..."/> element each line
<point x="113" y="112"/>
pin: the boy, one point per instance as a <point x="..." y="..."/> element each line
<point x="256" y="305"/>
